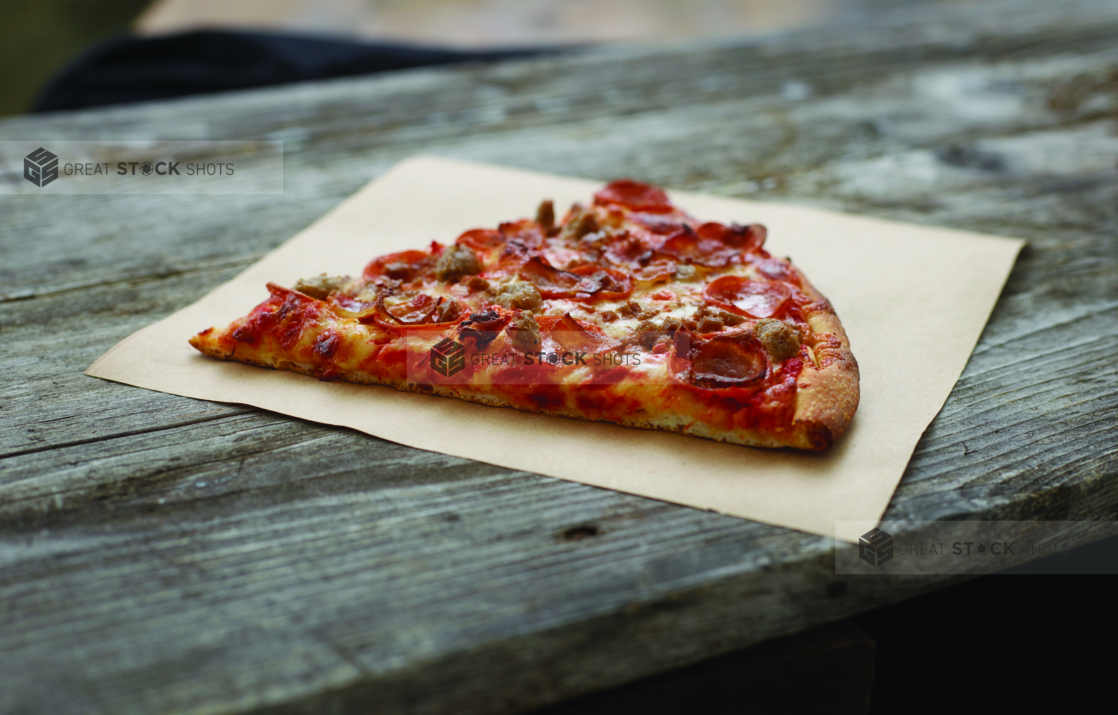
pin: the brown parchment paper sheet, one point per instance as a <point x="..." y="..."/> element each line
<point x="913" y="300"/>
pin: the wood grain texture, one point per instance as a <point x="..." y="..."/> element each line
<point x="160" y="554"/>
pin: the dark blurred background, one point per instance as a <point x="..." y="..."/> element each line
<point x="38" y="38"/>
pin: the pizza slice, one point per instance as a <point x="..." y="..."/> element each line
<point x="627" y="310"/>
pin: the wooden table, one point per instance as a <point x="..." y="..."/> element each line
<point x="160" y="554"/>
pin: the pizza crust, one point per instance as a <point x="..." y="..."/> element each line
<point x="818" y="420"/>
<point x="826" y="399"/>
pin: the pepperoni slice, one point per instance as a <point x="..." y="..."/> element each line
<point x="657" y="272"/>
<point x="657" y="223"/>
<point x="573" y="335"/>
<point x="418" y="313"/>
<point x="481" y="239"/>
<point x="405" y="265"/>
<point x="727" y="361"/>
<point x="284" y="315"/>
<point x="549" y="280"/>
<point x="746" y="238"/>
<point x="633" y="195"/>
<point x="525" y="230"/>
<point x="713" y="244"/>
<point x="582" y="283"/>
<point x="756" y="299"/>
<point x="775" y="268"/>
<point x="417" y="310"/>
<point x="483" y="327"/>
<point x="603" y="283"/>
<point x="690" y="247"/>
<point x="626" y="250"/>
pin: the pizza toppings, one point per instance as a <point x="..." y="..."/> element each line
<point x="633" y="309"/>
<point x="579" y="223"/>
<point x="633" y="195"/>
<point x="686" y="273"/>
<point x="603" y="283"/>
<point x="550" y="281"/>
<point x="404" y="265"/>
<point x="569" y="315"/>
<point x="545" y="215"/>
<point x="756" y="299"/>
<point x="482" y="327"/>
<point x="709" y="324"/>
<point x="455" y="263"/>
<point x="321" y="286"/>
<point x="571" y="334"/>
<point x="730" y="360"/>
<point x="690" y="246"/>
<point x="745" y="238"/>
<point x="779" y="339"/>
<point x="447" y="311"/>
<point x="422" y="311"/>
<point x="518" y="295"/>
<point x="481" y="239"/>
<point x="723" y="316"/>
<point x="582" y="283"/>
<point x="524" y="332"/>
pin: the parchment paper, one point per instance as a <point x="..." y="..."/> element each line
<point x="912" y="299"/>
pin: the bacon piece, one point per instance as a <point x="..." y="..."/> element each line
<point x="634" y="195"/>
<point x="756" y="299"/>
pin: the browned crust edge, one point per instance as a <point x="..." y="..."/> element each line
<point x="208" y="344"/>
<point x="826" y="399"/>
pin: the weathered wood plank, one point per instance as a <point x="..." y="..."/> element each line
<point x="161" y="554"/>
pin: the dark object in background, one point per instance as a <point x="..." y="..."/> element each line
<point x="827" y="669"/>
<point x="132" y="69"/>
